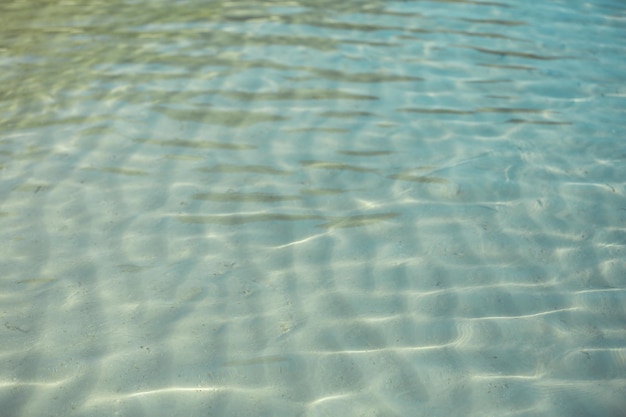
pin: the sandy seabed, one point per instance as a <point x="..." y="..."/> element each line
<point x="312" y="209"/>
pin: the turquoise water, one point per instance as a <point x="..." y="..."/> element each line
<point x="312" y="208"/>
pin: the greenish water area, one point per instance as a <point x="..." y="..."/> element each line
<point x="312" y="208"/>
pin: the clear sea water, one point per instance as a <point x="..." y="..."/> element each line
<point x="312" y="208"/>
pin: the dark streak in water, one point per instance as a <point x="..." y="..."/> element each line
<point x="236" y="219"/>
<point x="495" y="22"/>
<point x="116" y="170"/>
<point x="483" y="35"/>
<point x="256" y="197"/>
<point x="537" y="122"/>
<point x="357" y="220"/>
<point x="195" y="144"/>
<point x="253" y="169"/>
<point x="292" y="94"/>
<point x="512" y="67"/>
<point x="513" y="54"/>
<point x="365" y="153"/>
<point x="469" y="112"/>
<point x="501" y="97"/>
<point x="477" y="3"/>
<point x="232" y="118"/>
<point x="317" y="129"/>
<point x="335" y="165"/>
<point x="418" y="178"/>
<point x="492" y="81"/>
<point x="347" y="114"/>
<point x="434" y="111"/>
<point x="322" y="191"/>
<point x="360" y="77"/>
<point x="508" y="110"/>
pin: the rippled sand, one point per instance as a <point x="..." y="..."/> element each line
<point x="312" y="208"/>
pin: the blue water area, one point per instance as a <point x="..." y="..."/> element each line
<point x="312" y="208"/>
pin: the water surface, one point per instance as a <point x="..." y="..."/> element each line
<point x="312" y="208"/>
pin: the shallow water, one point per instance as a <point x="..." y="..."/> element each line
<point x="312" y="208"/>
